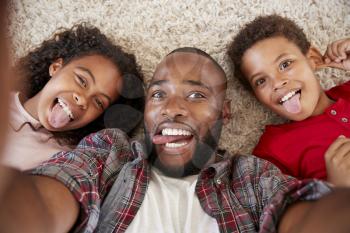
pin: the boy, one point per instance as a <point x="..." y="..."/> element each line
<point x="273" y="57"/>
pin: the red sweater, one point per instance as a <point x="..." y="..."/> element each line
<point x="298" y="147"/>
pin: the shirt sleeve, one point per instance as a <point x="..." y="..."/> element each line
<point x="274" y="192"/>
<point x="89" y="171"/>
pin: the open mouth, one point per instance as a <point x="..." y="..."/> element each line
<point x="65" y="108"/>
<point x="289" y="95"/>
<point x="173" y="137"/>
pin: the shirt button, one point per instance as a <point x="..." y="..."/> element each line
<point x="333" y="112"/>
<point x="344" y="119"/>
<point x="218" y="181"/>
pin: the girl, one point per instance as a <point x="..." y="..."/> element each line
<point x="67" y="84"/>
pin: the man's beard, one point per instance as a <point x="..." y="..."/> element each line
<point x="204" y="151"/>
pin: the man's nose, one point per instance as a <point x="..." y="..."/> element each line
<point x="80" y="100"/>
<point x="174" y="107"/>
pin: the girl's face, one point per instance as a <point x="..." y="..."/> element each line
<point x="76" y="94"/>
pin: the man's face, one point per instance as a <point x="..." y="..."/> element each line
<point x="283" y="79"/>
<point x="184" y="113"/>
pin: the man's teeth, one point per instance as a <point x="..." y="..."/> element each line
<point x="169" y="131"/>
<point x="174" y="144"/>
<point x="66" y="109"/>
<point x="288" y="96"/>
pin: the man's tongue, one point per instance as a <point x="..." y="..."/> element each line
<point x="162" y="139"/>
<point x="293" y="104"/>
<point x="58" y="118"/>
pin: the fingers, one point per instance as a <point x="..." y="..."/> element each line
<point x="337" y="51"/>
<point x="338" y="149"/>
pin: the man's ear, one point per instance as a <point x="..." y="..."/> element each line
<point x="55" y="66"/>
<point x="226" y="111"/>
<point x="315" y="58"/>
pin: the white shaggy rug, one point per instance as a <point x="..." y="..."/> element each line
<point x="151" y="29"/>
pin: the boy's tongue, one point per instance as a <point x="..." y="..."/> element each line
<point x="58" y="118"/>
<point x="163" y="139"/>
<point x="293" y="104"/>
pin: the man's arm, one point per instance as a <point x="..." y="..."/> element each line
<point x="328" y="214"/>
<point x="36" y="204"/>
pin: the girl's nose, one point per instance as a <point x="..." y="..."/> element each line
<point x="80" y="100"/>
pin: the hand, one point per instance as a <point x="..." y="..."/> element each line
<point x="337" y="159"/>
<point x="337" y="54"/>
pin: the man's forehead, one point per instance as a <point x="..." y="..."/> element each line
<point x="190" y="65"/>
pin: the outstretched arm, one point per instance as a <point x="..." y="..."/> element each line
<point x="35" y="204"/>
<point x="328" y="214"/>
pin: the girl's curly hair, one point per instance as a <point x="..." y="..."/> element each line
<point x="79" y="41"/>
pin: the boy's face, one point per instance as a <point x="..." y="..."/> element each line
<point x="283" y="79"/>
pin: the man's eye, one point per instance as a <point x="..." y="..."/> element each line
<point x="259" y="82"/>
<point x="157" y="95"/>
<point x="82" y="81"/>
<point x="285" y="64"/>
<point x="196" y="95"/>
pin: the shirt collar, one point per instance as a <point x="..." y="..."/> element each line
<point x="18" y="122"/>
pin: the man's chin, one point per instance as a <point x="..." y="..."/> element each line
<point x="179" y="171"/>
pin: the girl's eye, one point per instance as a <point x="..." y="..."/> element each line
<point x="284" y="65"/>
<point x="196" y="95"/>
<point x="259" y="82"/>
<point x="99" y="103"/>
<point x="82" y="81"/>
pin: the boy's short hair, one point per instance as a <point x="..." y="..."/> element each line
<point x="264" y="27"/>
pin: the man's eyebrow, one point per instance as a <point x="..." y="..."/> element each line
<point x="88" y="72"/>
<point x="198" y="83"/>
<point x="156" y="83"/>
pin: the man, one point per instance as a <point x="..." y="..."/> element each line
<point x="179" y="181"/>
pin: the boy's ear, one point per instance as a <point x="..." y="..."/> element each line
<point x="226" y="111"/>
<point x="55" y="66"/>
<point x="315" y="58"/>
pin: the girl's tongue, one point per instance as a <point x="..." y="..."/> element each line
<point x="58" y="118"/>
<point x="163" y="139"/>
<point x="293" y="104"/>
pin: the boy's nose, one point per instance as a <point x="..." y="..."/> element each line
<point x="174" y="108"/>
<point x="279" y="83"/>
<point x="80" y="100"/>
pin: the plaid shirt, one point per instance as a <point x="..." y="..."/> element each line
<point x="109" y="175"/>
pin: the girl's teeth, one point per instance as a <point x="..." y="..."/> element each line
<point x="66" y="109"/>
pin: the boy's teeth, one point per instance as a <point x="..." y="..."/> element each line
<point x="288" y="96"/>
<point x="174" y="144"/>
<point x="66" y="109"/>
<point x="169" y="131"/>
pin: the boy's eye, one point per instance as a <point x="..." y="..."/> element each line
<point x="284" y="65"/>
<point x="82" y="81"/>
<point x="196" y="95"/>
<point x="259" y="82"/>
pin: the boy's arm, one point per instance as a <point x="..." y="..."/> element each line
<point x="337" y="54"/>
<point x="328" y="214"/>
<point x="36" y="204"/>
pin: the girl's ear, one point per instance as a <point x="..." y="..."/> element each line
<point x="315" y="58"/>
<point x="55" y="66"/>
